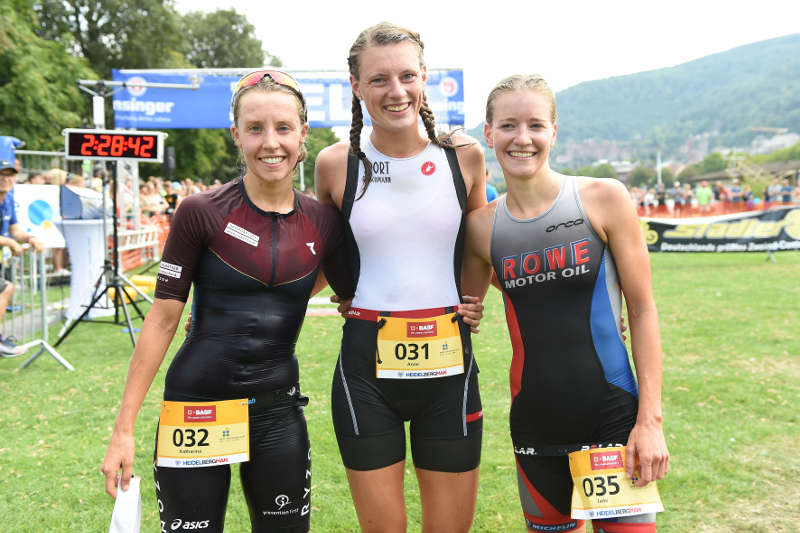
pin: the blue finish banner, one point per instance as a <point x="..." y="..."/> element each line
<point x="328" y="96"/>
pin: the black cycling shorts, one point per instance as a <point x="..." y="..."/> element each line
<point x="445" y="414"/>
<point x="543" y="475"/>
<point x="276" y="480"/>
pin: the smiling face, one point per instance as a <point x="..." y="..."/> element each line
<point x="270" y="134"/>
<point x="521" y="131"/>
<point x="391" y="82"/>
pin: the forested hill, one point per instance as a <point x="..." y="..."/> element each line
<point x="723" y="95"/>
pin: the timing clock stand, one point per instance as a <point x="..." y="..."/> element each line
<point x="110" y="277"/>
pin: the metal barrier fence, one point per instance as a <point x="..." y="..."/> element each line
<point x="27" y="317"/>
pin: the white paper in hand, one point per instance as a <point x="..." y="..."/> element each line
<point x="127" y="514"/>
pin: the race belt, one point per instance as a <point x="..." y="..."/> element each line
<point x="416" y="344"/>
<point x="601" y="489"/>
<point x="197" y="434"/>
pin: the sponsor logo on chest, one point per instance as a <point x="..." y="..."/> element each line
<point x="561" y="261"/>
<point x="238" y="232"/>
<point x="380" y="172"/>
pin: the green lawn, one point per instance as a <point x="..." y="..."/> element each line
<point x="731" y="396"/>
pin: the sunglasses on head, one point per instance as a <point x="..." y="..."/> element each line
<point x="281" y="78"/>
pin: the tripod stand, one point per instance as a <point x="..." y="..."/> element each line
<point x="110" y="276"/>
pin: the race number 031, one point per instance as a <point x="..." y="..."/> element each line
<point x="410" y="350"/>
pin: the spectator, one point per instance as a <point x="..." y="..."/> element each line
<point x="150" y="202"/>
<point x="650" y="201"/>
<point x="748" y="197"/>
<point x="786" y="191"/>
<point x="704" y="194"/>
<point x="36" y="178"/>
<point x="773" y="191"/>
<point x="172" y="197"/>
<point x="721" y="194"/>
<point x="11" y="235"/>
<point x="735" y="193"/>
<point x="689" y="199"/>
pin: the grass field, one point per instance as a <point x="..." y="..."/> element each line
<point x="731" y="397"/>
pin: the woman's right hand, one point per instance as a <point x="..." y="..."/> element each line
<point x="119" y="456"/>
<point x="344" y="305"/>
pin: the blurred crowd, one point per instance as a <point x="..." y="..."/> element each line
<point x="685" y="200"/>
<point x="158" y="196"/>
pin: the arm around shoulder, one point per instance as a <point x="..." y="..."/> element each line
<point x="476" y="269"/>
<point x="473" y="168"/>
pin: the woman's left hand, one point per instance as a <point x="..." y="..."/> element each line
<point x="471" y="312"/>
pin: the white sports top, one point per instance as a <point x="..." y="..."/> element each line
<point x="406" y="226"/>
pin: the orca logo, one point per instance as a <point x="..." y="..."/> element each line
<point x="567" y="224"/>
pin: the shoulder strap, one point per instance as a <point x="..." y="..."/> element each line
<point x="350" y="185"/>
<point x="461" y="193"/>
<point x="458" y="178"/>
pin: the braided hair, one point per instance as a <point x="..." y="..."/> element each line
<point x="383" y="34"/>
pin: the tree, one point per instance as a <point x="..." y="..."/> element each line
<point x="115" y="33"/>
<point x="667" y="176"/>
<point x="317" y="139"/>
<point x="712" y="163"/>
<point x="604" y="170"/>
<point x="687" y="173"/>
<point x="642" y="176"/>
<point x="38" y="95"/>
<point x="222" y="39"/>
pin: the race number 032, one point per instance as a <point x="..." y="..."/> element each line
<point x="186" y="438"/>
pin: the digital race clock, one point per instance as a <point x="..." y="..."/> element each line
<point x="114" y="144"/>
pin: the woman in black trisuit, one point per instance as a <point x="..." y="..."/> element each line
<point x="253" y="249"/>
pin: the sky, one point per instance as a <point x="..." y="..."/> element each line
<point x="566" y="41"/>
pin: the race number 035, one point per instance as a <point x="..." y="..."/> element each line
<point x="597" y="485"/>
